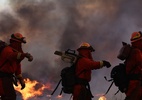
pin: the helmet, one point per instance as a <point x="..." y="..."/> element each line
<point x="85" y="45"/>
<point x="136" y="36"/>
<point x="18" y="37"/>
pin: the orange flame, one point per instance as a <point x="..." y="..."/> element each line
<point x="29" y="91"/>
<point x="102" y="98"/>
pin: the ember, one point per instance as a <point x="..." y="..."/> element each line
<point x="59" y="97"/>
<point x="102" y="98"/>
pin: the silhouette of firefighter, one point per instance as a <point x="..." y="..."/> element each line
<point x="134" y="68"/>
<point x="83" y="71"/>
<point x="10" y="66"/>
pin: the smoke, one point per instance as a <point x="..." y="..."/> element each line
<point x="51" y="25"/>
<point x="8" y="24"/>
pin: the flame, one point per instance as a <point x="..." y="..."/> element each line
<point x="102" y="98"/>
<point x="29" y="91"/>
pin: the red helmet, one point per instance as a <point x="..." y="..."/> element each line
<point x="18" y="37"/>
<point x="136" y="36"/>
<point x="85" y="45"/>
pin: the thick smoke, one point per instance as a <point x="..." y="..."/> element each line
<point x="51" y="25"/>
<point x="8" y="25"/>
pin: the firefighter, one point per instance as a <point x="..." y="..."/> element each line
<point x="134" y="68"/>
<point x="10" y="65"/>
<point x="83" y="71"/>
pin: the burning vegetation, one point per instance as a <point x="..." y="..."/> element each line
<point x="32" y="89"/>
<point x="35" y="89"/>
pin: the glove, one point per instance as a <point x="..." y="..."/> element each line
<point x="29" y="56"/>
<point x="21" y="80"/>
<point x="106" y="63"/>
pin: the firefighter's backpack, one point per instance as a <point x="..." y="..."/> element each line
<point x="2" y="45"/>
<point x="68" y="79"/>
<point x="120" y="78"/>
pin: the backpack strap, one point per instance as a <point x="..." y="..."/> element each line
<point x="61" y="92"/>
<point x="116" y="92"/>
<point x="56" y="87"/>
<point x="88" y="85"/>
<point x="3" y="63"/>
<point x="109" y="88"/>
